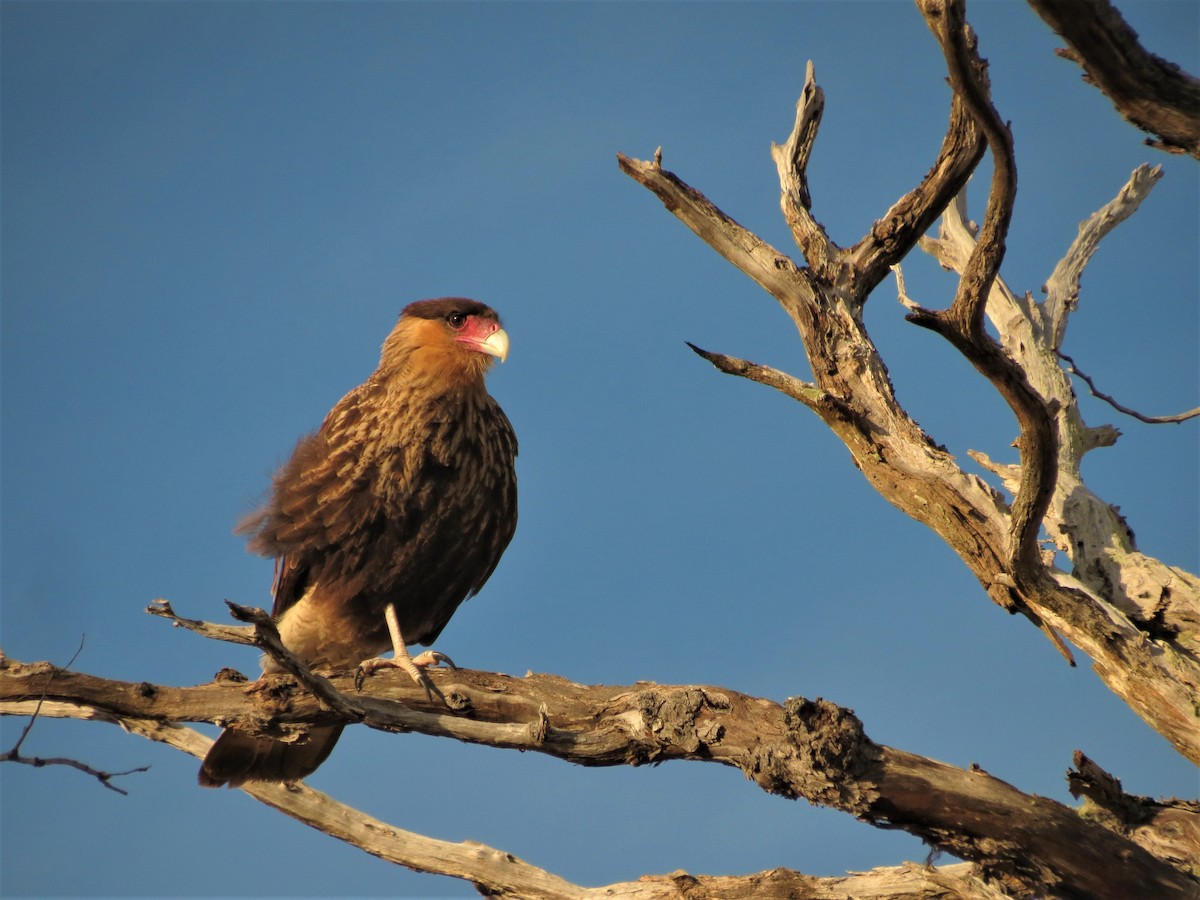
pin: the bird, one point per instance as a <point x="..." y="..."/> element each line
<point x="384" y="520"/>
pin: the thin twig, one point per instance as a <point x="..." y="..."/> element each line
<point x="807" y="393"/>
<point x="16" y="748"/>
<point x="105" y="778"/>
<point x="1100" y="395"/>
<point x="14" y="755"/>
<point x="234" y="634"/>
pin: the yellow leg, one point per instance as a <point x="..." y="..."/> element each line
<point x="401" y="659"/>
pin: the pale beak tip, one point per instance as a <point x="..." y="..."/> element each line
<point x="497" y="344"/>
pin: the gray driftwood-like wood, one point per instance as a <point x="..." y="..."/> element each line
<point x="1019" y="843"/>
<point x="1134" y="616"/>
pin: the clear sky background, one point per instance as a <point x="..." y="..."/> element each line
<point x="212" y="215"/>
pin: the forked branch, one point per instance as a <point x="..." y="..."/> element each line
<point x="1134" y="616"/>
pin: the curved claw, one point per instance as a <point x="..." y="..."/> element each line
<point x="414" y="667"/>
<point x="431" y="658"/>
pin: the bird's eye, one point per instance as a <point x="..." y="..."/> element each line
<point x="457" y="319"/>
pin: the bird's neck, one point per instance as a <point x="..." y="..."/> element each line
<point x="435" y="369"/>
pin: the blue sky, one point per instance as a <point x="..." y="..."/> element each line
<point x="212" y="214"/>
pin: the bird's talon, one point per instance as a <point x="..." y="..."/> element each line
<point x="370" y="667"/>
<point x="415" y="668"/>
<point x="431" y="658"/>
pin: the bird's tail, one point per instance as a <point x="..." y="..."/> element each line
<point x="236" y="758"/>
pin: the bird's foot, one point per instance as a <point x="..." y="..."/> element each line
<point x="432" y="658"/>
<point x="414" y="666"/>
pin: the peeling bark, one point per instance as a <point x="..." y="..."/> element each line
<point x="812" y="749"/>
<point x="1134" y="616"/>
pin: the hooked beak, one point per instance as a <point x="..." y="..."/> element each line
<point x="495" y="344"/>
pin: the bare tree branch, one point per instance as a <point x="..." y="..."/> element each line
<point x="908" y="469"/>
<point x="494" y="872"/>
<point x="1062" y="287"/>
<point x="1137" y="618"/>
<point x="234" y="634"/>
<point x="1074" y="369"/>
<point x="497" y="873"/>
<point x="1130" y="593"/>
<point x="896" y="232"/>
<point x="105" y="778"/>
<point x="808" y="394"/>
<point x="1155" y="95"/>
<point x="771" y="269"/>
<point x="821" y="253"/>
<point x="856" y="271"/>
<point x="962" y="323"/>
<point x="1139" y="818"/>
<point x="895" y="454"/>
<point x="803" y="748"/>
<point x="14" y="755"/>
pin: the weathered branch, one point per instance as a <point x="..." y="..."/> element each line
<point x="895" y="233"/>
<point x="810" y="749"/>
<point x="910" y="882"/>
<point x="494" y="872"/>
<point x="497" y="873"/>
<point x="1117" y="595"/>
<point x="963" y="324"/>
<point x="808" y="394"/>
<point x="1135" y="617"/>
<point x="1062" y="287"/>
<point x="234" y="634"/>
<point x="771" y="269"/>
<point x="1155" y="95"/>
<point x="856" y="271"/>
<point x="895" y="455"/>
<point x="822" y="254"/>
<point x="1173" y="419"/>
<point x="1141" y="818"/>
<point x="14" y="755"/>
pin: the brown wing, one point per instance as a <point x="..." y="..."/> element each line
<point x="467" y="509"/>
<point x="318" y="501"/>
<point x="410" y="506"/>
<point x="500" y="520"/>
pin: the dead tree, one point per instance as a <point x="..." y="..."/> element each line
<point x="1135" y="616"/>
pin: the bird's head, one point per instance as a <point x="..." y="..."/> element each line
<point x="451" y="339"/>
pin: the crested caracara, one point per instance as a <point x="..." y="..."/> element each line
<point x="384" y="520"/>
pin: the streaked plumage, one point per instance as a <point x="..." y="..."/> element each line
<point x="406" y="495"/>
